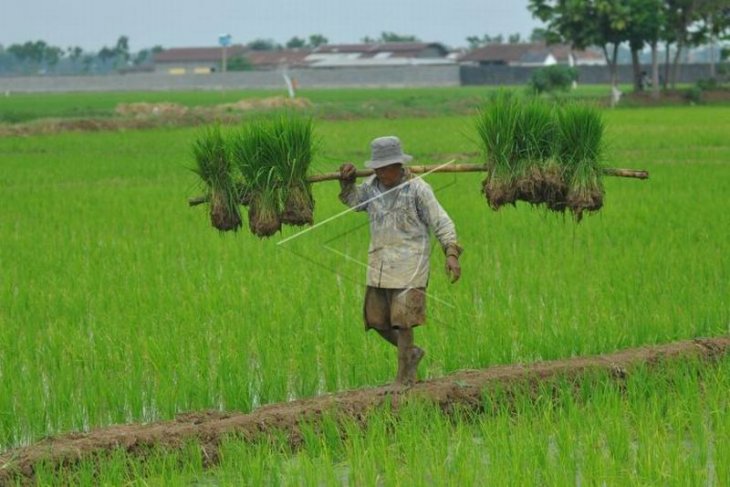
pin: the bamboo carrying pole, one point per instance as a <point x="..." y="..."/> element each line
<point x="361" y="173"/>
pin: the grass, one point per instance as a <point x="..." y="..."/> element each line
<point x="119" y="303"/>
<point x="340" y="103"/>
<point x="668" y="426"/>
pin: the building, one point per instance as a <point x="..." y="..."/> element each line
<point x="197" y="60"/>
<point x="379" y="54"/>
<point x="205" y="60"/>
<point x="531" y="54"/>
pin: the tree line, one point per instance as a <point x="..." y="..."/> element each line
<point x="39" y="57"/>
<point x="608" y="24"/>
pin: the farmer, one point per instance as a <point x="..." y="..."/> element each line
<point x="402" y="209"/>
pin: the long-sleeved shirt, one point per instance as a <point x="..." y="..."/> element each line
<point x="400" y="219"/>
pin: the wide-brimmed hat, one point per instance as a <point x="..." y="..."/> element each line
<point x="385" y="151"/>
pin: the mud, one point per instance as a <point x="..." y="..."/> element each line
<point x="580" y="202"/>
<point x="143" y="116"/>
<point x="461" y="390"/>
<point x="263" y="220"/>
<point x="221" y="216"/>
<point x="499" y="192"/>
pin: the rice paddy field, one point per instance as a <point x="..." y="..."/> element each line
<point x="119" y="303"/>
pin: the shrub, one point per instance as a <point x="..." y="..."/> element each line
<point x="553" y="78"/>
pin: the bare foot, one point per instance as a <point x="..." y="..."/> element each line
<point x="411" y="376"/>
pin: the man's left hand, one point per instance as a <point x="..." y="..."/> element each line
<point x="453" y="268"/>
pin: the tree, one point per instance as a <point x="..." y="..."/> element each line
<point x="316" y="40"/>
<point x="582" y="23"/>
<point x="263" y="45"/>
<point x="514" y="38"/>
<point x="646" y="19"/>
<point x="477" y="42"/>
<point x="106" y="54"/>
<point x="295" y="43"/>
<point x="714" y="16"/>
<point x="36" y="55"/>
<point x="74" y="53"/>
<point x="239" y="63"/>
<point x="121" y="50"/>
<point x="553" y="78"/>
<point x="680" y="16"/>
<point x="52" y="55"/>
<point x="393" y="37"/>
<point x="538" y="34"/>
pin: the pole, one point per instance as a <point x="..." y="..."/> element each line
<point x="362" y="173"/>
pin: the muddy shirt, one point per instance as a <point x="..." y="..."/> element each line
<point x="400" y="219"/>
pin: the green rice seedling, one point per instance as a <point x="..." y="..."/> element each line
<point x="265" y="205"/>
<point x="273" y="156"/>
<point x="535" y="146"/>
<point x="253" y="152"/>
<point x="295" y="150"/>
<point x="215" y="169"/>
<point x="580" y="150"/>
<point x="497" y="125"/>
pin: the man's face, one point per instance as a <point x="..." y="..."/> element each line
<point x="389" y="176"/>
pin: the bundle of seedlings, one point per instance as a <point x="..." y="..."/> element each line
<point x="537" y="176"/>
<point x="214" y="168"/>
<point x="296" y="148"/>
<point x="273" y="157"/>
<point x="497" y="125"/>
<point x="253" y="153"/>
<point x="580" y="150"/>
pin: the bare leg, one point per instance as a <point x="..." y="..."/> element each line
<point x="409" y="356"/>
<point x="390" y="335"/>
<point x="405" y="344"/>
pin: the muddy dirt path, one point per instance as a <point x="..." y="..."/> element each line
<point x="460" y="389"/>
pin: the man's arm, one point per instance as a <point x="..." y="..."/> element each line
<point x="436" y="218"/>
<point x="350" y="193"/>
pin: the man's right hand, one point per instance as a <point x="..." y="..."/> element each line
<point x="348" y="173"/>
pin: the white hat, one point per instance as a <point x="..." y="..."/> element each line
<point x="386" y="151"/>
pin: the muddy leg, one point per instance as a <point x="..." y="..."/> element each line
<point x="416" y="355"/>
<point x="405" y="344"/>
<point x="390" y="335"/>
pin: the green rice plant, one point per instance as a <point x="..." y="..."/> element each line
<point x="215" y="169"/>
<point x="580" y="151"/>
<point x="497" y="125"/>
<point x="273" y="156"/>
<point x="535" y="146"/>
<point x="296" y="147"/>
<point x="253" y="151"/>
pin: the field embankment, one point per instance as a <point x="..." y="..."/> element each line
<point x="464" y="389"/>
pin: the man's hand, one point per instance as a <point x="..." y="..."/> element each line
<point x="453" y="269"/>
<point x="348" y="173"/>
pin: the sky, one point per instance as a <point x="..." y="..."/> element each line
<point x="93" y="24"/>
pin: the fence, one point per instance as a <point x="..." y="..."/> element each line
<point x="370" y="77"/>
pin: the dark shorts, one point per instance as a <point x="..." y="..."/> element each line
<point x="394" y="308"/>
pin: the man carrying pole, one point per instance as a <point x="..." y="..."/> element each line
<point x="402" y="209"/>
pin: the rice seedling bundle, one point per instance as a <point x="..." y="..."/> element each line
<point x="273" y="156"/>
<point x="536" y="166"/>
<point x="542" y="154"/>
<point x="214" y="168"/>
<point x="295" y="135"/>
<point x="497" y="126"/>
<point x="580" y="150"/>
